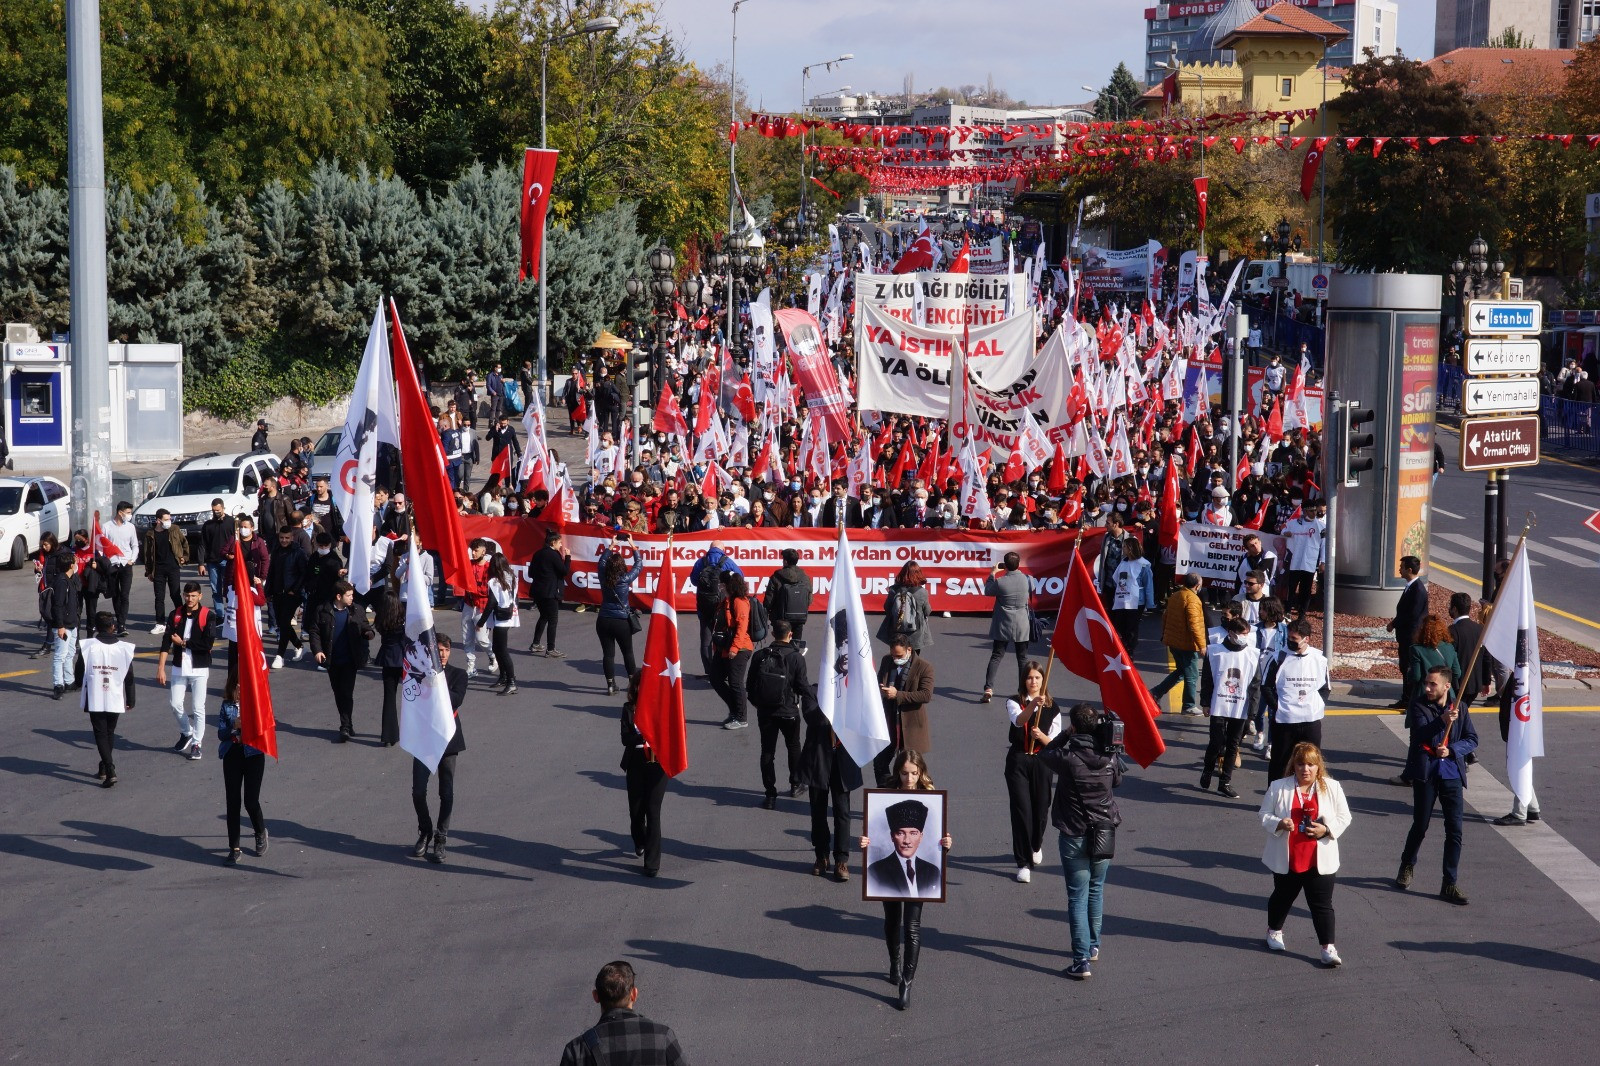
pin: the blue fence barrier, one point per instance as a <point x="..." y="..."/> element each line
<point x="1285" y="334"/>
<point x="1565" y="424"/>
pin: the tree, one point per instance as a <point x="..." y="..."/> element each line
<point x="1119" y="100"/>
<point x="33" y="253"/>
<point x="1404" y="209"/>
<point x="1510" y="37"/>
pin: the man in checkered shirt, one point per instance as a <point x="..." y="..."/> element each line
<point x="622" y="1037"/>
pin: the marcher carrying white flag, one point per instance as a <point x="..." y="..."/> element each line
<point x="371" y="421"/>
<point x="1512" y="637"/>
<point x="426" y="720"/>
<point x="847" y="683"/>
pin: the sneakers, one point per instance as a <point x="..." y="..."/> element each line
<point x="1330" y="956"/>
<point x="1450" y="893"/>
<point x="234" y="854"/>
<point x="262" y="840"/>
<point x="611" y="690"/>
<point x="277" y="662"/>
<point x="534" y="649"/>
<point x="1510" y="819"/>
<point x="1038" y="858"/>
<point x="300" y="653"/>
<point x="183" y="743"/>
<point x="735" y="723"/>
<point x="796" y="791"/>
<point x="472" y="668"/>
<point x="1192" y="712"/>
<point x="1024" y="875"/>
<point x="1275" y="940"/>
<point x="1402" y="880"/>
<point x="1225" y="789"/>
<point x="157" y="630"/>
<point x="1094" y="954"/>
<point x="1078" y="971"/>
<point x="1259" y="744"/>
<point x="494" y="665"/>
<point x="552" y="653"/>
<point x="194" y="754"/>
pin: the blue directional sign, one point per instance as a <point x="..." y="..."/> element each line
<point x="1490" y="317"/>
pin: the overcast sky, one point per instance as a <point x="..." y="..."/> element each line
<point x="1040" y="51"/>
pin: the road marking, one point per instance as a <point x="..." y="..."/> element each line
<point x="1578" y="545"/>
<point x="1448" y="514"/>
<point x="1476" y="546"/>
<point x="1550" y="853"/>
<point x="1542" y="606"/>
<point x="1435" y="552"/>
<point x="17" y="673"/>
<point x="1569" y="503"/>
<point x="1565" y="558"/>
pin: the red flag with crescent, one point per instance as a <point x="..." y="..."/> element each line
<point x="1308" y="169"/>
<point x="538" y="175"/>
<point x="1202" y="196"/>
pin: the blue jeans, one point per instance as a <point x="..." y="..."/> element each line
<point x="1185" y="669"/>
<point x="1086" y="882"/>
<point x="1447" y="791"/>
<point x="219" y="593"/>
<point x="62" y="651"/>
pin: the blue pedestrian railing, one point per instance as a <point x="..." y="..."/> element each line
<point x="1565" y="424"/>
<point x="1284" y="333"/>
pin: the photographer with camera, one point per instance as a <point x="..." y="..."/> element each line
<point x="1087" y="767"/>
<point x="1304" y="815"/>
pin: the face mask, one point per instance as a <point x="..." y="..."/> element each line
<point x="767" y="495"/>
<point x="794" y="486"/>
<point x="166" y="523"/>
<point x="1105" y="508"/>
<point x="245" y="534"/>
<point x="902" y="662"/>
<point x="1143" y="470"/>
<point x="324" y="551"/>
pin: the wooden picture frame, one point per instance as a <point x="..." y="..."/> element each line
<point x="882" y="880"/>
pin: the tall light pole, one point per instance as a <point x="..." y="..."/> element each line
<point x="1178" y="71"/>
<point x="603" y="24"/>
<point x="1114" y="100"/>
<point x="1322" y="167"/>
<point x="733" y="145"/>
<point x="805" y="73"/>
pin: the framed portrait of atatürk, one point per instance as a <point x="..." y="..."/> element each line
<point x="903" y="858"/>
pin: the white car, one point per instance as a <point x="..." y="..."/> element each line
<point x="188" y="491"/>
<point x="29" y="508"/>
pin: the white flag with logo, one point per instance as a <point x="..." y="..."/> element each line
<point x="1512" y="636"/>
<point x="847" y="684"/>
<point x="427" y="722"/>
<point x="371" y="420"/>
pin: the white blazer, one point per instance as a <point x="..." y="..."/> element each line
<point x="1278" y="804"/>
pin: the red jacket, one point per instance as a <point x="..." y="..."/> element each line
<point x="478" y="594"/>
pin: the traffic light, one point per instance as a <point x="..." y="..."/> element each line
<point x="643" y="376"/>
<point x="1358" y="455"/>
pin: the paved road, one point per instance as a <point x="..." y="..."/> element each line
<point x="1565" y="555"/>
<point x="126" y="940"/>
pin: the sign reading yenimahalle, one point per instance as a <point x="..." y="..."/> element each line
<point x="1214" y="552"/>
<point x="954" y="562"/>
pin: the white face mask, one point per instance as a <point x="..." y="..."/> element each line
<point x="902" y="662"/>
<point x="166" y="523"/>
<point x="324" y="551"/>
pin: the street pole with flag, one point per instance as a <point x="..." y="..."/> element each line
<point x="257" y="726"/>
<point x="1511" y="635"/>
<point x="371" y="421"/>
<point x="1087" y="644"/>
<point x="847" y="683"/>
<point x="658" y="707"/>
<point x="427" y="721"/>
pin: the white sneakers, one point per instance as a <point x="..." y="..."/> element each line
<point x="157" y="629"/>
<point x="1330" y="956"/>
<point x="1024" y="875"/>
<point x="1038" y="858"/>
<point x="300" y="653"/>
<point x="277" y="662"/>
<point x="1274" y="939"/>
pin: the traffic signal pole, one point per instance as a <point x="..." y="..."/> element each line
<point x="1332" y="476"/>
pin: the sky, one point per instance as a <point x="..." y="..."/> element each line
<point x="1041" y="51"/>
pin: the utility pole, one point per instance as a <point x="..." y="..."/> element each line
<point x="1337" y="448"/>
<point x="86" y="207"/>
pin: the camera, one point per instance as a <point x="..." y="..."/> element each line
<point x="1108" y="734"/>
<point x="1305" y="822"/>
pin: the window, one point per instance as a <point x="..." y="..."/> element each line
<point x="1288" y="86"/>
<point x="1283" y="129"/>
<point x="35" y="501"/>
<point x="251" y="482"/>
<point x="52" y="491"/>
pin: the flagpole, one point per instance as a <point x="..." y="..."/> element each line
<point x="1529" y="523"/>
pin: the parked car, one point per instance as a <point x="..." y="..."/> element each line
<point x="29" y="508"/>
<point x="325" y="455"/>
<point x="188" y="491"/>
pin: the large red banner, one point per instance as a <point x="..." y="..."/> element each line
<point x="815" y="372"/>
<point x="954" y="562"/>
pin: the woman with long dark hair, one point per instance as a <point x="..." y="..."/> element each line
<point x="733" y="648"/>
<point x="619" y="566"/>
<point x="1035" y="722"/>
<point x="906" y="609"/>
<point x="902" y="919"/>
<point x="242" y="769"/>
<point x="391" y="626"/>
<point x="502" y="620"/>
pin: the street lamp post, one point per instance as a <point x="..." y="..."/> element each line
<point x="1178" y="70"/>
<point x="603" y="24"/>
<point x="1114" y="100"/>
<point x="805" y="73"/>
<point x="733" y="142"/>
<point x="662" y="289"/>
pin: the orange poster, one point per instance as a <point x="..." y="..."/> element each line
<point x="1419" y="372"/>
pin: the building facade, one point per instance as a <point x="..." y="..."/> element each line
<point x="1367" y="23"/>
<point x="1546" y="23"/>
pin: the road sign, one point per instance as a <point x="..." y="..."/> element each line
<point x="1499" y="396"/>
<point x="1319" y="281"/>
<point x="1488" y="317"/>
<point x="1498" y="443"/>
<point x="1502" y="356"/>
<point x="1592" y="523"/>
<point x="1278" y="283"/>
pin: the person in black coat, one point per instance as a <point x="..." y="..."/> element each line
<point x="258" y="440"/>
<point x="433" y="835"/>
<point x="828" y="517"/>
<point x="286" y="578"/>
<point x="339" y="640"/>
<point x="1467" y="635"/>
<point x="778" y="688"/>
<point x="61" y="605"/>
<point x="647" y="785"/>
<point x="826" y="769"/>
<point x="1408" y="616"/>
<point x="390" y="612"/>
<point x="547" y="581"/>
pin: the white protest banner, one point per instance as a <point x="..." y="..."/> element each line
<point x="989" y="257"/>
<point x="1121" y="270"/>
<point x="949" y="301"/>
<point x="905" y="368"/>
<point x="1214" y="552"/>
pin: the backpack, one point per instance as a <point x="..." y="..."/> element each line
<point x="906" y="620"/>
<point x="797" y="599"/>
<point x="776" y="600"/>
<point x="769" y="682"/>
<point x="708" y="590"/>
<point x="759" y="626"/>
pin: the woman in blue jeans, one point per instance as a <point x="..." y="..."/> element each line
<point x="1085" y="778"/>
<point x="619" y="566"/>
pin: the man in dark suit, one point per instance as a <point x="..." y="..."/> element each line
<point x="1467" y="636"/>
<point x="1408" y="616"/>
<point x="547" y="580"/>
<point x="828" y="517"/>
<point x="902" y="874"/>
<point x="340" y="639"/>
<point x="432" y="836"/>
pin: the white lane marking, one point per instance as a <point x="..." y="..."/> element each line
<point x="1475" y="545"/>
<point x="1578" y="544"/>
<point x="1569" y="503"/>
<point x="1448" y="514"/>
<point x="1563" y="557"/>
<point x="1550" y="853"/>
<point x="1444" y="555"/>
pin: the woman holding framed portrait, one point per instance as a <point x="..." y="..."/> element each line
<point x="910" y="871"/>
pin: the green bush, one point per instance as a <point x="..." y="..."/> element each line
<point x="264" y="373"/>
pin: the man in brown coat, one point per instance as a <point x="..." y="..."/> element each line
<point x="1183" y="631"/>
<point x="906" y="681"/>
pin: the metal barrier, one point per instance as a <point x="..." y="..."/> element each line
<point x="1284" y="333"/>
<point x="1565" y="424"/>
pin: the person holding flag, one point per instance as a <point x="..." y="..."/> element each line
<point x="243" y="766"/>
<point x="429" y="728"/>
<point x="433" y="834"/>
<point x="250" y="731"/>
<point x="1512" y="636"/>
<point x="654" y="736"/>
<point x="1442" y="736"/>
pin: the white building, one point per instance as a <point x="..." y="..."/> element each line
<point x="1546" y="23"/>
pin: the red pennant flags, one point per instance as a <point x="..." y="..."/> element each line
<point x="538" y="175"/>
<point x="1377" y="145"/>
<point x="1308" y="169"/>
<point x="103" y="545"/>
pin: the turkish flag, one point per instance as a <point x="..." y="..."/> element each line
<point x="918" y="257"/>
<point x="744" y="400"/>
<point x="928" y="472"/>
<point x="1243" y="470"/>
<point x="501" y="464"/>
<point x="1056" y="482"/>
<point x="1087" y="644"/>
<point x="1308" y="169"/>
<point x="760" y="469"/>
<point x="433" y="501"/>
<point x="658" y="708"/>
<point x="962" y="263"/>
<point x="1016" y="467"/>
<point x="668" y="416"/>
<point x="102" y="543"/>
<point x="257" y="726"/>
<point x="903" y="465"/>
<point x="538" y="175"/>
<point x="1168" y="515"/>
<point x="1261" y="515"/>
<point x="1202" y="196"/>
<point x="561" y="507"/>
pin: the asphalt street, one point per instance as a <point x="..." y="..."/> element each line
<point x="127" y="940"/>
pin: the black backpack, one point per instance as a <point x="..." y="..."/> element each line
<point x="769" y="682"/>
<point x="708" y="590"/>
<point x="776" y="600"/>
<point x="760" y="626"/>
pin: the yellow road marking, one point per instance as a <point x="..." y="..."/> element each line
<point x="1354" y="712"/>
<point x="17" y="673"/>
<point x="1536" y="603"/>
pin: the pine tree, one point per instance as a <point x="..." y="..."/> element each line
<point x="1119" y="100"/>
<point x="589" y="267"/>
<point x="33" y="253"/>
